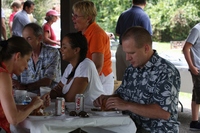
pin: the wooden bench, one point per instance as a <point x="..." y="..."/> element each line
<point x="177" y="44"/>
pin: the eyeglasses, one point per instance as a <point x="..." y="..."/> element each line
<point x="75" y="16"/>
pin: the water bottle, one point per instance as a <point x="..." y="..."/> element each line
<point x="27" y="100"/>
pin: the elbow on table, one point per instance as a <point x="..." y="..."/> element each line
<point x="13" y="121"/>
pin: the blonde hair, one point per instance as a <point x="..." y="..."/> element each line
<point x="87" y="8"/>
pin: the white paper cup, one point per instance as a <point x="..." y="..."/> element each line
<point x="31" y="95"/>
<point x="44" y="90"/>
<point x="20" y="96"/>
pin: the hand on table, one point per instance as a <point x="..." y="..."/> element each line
<point x="98" y="102"/>
<point x="116" y="103"/>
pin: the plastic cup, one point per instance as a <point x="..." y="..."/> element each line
<point x="44" y="90"/>
<point x="20" y="96"/>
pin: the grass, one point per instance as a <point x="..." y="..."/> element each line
<point x="165" y="47"/>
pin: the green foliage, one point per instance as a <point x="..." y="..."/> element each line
<point x="170" y="19"/>
<point x="109" y="11"/>
<point x="172" y="22"/>
<point x="41" y="7"/>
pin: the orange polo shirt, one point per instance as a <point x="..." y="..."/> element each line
<point x="99" y="42"/>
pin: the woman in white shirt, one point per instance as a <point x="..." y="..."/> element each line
<point x="80" y="76"/>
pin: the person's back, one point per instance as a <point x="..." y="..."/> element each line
<point x="21" y="18"/>
<point x="3" y="121"/>
<point x="15" y="8"/>
<point x="135" y="16"/>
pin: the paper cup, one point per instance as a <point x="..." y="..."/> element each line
<point x="31" y="95"/>
<point x="20" y="96"/>
<point x="44" y="90"/>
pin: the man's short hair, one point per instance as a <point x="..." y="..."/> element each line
<point x="139" y="34"/>
<point x="36" y="28"/>
<point x="28" y="4"/>
<point x="139" y="2"/>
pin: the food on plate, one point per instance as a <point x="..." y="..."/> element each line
<point x="39" y="112"/>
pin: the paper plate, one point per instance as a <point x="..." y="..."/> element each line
<point x="107" y="113"/>
<point x="40" y="117"/>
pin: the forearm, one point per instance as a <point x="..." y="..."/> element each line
<point x="36" y="85"/>
<point x="98" y="59"/>
<point x="153" y="111"/>
<point x="49" y="41"/>
<point x="56" y="91"/>
<point x="188" y="59"/>
<point x="24" y="110"/>
<point x="4" y="33"/>
<point x="3" y="28"/>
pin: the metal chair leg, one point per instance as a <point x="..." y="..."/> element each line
<point x="181" y="106"/>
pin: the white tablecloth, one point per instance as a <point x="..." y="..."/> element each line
<point x="179" y="61"/>
<point x="62" y="124"/>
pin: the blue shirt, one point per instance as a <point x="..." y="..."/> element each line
<point x="19" y="21"/>
<point x="158" y="82"/>
<point x="134" y="16"/>
<point x="47" y="66"/>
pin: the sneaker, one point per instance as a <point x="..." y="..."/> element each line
<point x="195" y="125"/>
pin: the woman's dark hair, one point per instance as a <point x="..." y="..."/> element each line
<point x="77" y="40"/>
<point x="13" y="45"/>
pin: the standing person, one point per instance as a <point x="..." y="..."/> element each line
<point x="15" y="8"/>
<point x="3" y="24"/>
<point x="14" y="55"/>
<point x="135" y="16"/>
<point x="150" y="87"/>
<point x="44" y="68"/>
<point x="84" y="14"/>
<point x="49" y="36"/>
<point x="21" y="18"/>
<point x="80" y="76"/>
<point x="191" y="51"/>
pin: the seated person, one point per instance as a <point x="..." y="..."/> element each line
<point x="14" y="54"/>
<point x="44" y="68"/>
<point x="80" y="76"/>
<point x="150" y="87"/>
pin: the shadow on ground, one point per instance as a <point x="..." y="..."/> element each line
<point x="184" y="118"/>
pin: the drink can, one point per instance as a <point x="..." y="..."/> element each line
<point x="79" y="102"/>
<point x="60" y="106"/>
